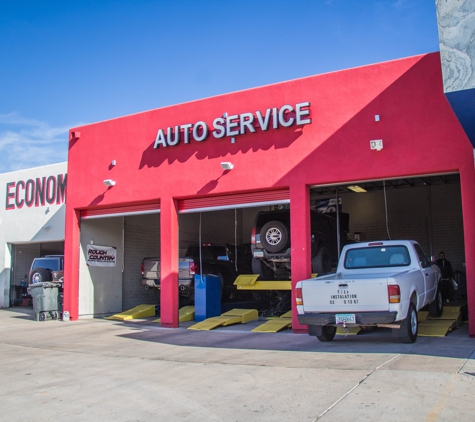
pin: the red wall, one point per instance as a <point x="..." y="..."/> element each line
<point x="421" y="135"/>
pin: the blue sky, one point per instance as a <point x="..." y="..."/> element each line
<point x="71" y="62"/>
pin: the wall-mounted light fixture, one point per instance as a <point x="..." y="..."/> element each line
<point x="357" y="189"/>
<point x="109" y="182"/>
<point x="226" y="165"/>
<point x="74" y="135"/>
<point x="376" y="118"/>
<point x="113" y="163"/>
<point x="376" y="144"/>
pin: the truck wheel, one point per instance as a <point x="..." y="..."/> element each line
<point x="409" y="326"/>
<point x="328" y="333"/>
<point x="274" y="236"/>
<point x="39" y="275"/>
<point x="436" y="307"/>
<point x="264" y="272"/>
<point x="322" y="261"/>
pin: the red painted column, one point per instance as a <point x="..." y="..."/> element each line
<point x="71" y="263"/>
<point x="301" y="246"/>
<point x="467" y="184"/>
<point x="169" y="262"/>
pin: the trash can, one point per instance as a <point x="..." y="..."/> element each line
<point x="45" y="300"/>
<point x="207" y="296"/>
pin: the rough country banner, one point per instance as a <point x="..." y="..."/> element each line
<point x="101" y="256"/>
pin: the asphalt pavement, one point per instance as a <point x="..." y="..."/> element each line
<point x="104" y="370"/>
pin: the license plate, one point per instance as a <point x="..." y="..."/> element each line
<point x="258" y="254"/>
<point x="345" y="319"/>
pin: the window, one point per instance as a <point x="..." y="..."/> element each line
<point x="377" y="257"/>
<point x="422" y="258"/>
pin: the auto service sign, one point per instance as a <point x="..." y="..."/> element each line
<point x="235" y="125"/>
<point x="101" y="256"/>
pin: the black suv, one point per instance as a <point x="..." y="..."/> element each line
<point x="47" y="268"/>
<point x="270" y="243"/>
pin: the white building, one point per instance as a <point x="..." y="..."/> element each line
<point x="31" y="222"/>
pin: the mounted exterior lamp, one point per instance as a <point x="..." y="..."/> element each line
<point x="226" y="165"/>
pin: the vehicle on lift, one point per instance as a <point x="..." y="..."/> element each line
<point x="47" y="268"/>
<point x="377" y="284"/>
<point x="226" y="261"/>
<point x="270" y="243"/>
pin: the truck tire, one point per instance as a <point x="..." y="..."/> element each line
<point x="409" y="326"/>
<point x="322" y="261"/>
<point x="274" y="236"/>
<point x="328" y="333"/>
<point x="264" y="272"/>
<point x="38" y="275"/>
<point x="437" y="306"/>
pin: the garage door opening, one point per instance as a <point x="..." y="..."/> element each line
<point x="22" y="256"/>
<point x="218" y="240"/>
<point x="427" y="209"/>
<point x="111" y="289"/>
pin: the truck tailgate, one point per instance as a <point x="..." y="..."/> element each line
<point x="151" y="268"/>
<point x="341" y="295"/>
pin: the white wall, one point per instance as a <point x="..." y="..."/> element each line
<point x="39" y="222"/>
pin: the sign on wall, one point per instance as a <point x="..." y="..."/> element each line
<point x="235" y="125"/>
<point x="36" y="192"/>
<point x="101" y="256"/>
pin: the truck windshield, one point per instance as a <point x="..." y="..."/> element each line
<point x="49" y="263"/>
<point x="377" y="257"/>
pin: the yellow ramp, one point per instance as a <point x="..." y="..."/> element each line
<point x="439" y="326"/>
<point x="422" y="315"/>
<point x="348" y="330"/>
<point x="436" y="328"/>
<point x="274" y="325"/>
<point x="453" y="313"/>
<point x="141" y="311"/>
<point x="249" y="282"/>
<point x="234" y="316"/>
<point x="187" y="313"/>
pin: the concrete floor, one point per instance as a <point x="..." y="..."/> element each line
<point x="107" y="370"/>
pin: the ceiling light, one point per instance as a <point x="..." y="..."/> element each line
<point x="357" y="189"/>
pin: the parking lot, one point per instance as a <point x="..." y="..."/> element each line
<point x="106" y="370"/>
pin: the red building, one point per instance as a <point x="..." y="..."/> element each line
<point x="290" y="141"/>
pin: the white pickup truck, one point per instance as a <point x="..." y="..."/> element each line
<point x="381" y="283"/>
